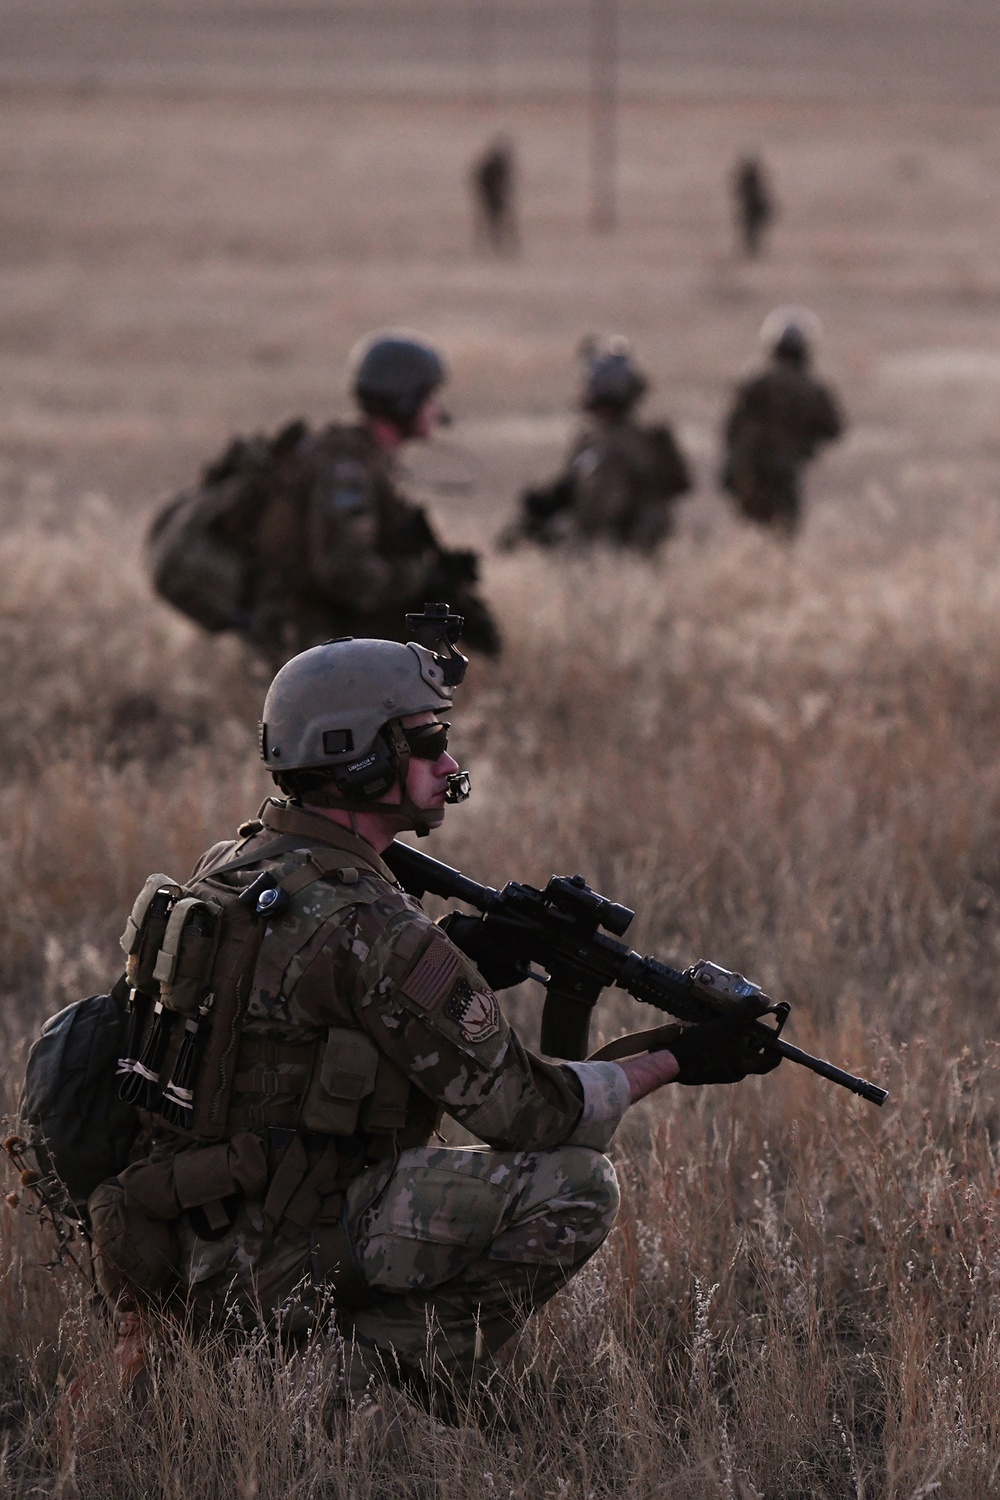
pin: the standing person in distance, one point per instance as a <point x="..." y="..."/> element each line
<point x="754" y="204"/>
<point x="493" y="183"/>
<point x="777" y="421"/>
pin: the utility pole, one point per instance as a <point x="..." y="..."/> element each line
<point x="483" y="51"/>
<point x="603" y="113"/>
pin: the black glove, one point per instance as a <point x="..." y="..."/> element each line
<point x="485" y="949"/>
<point x="722" y="1051"/>
<point x="544" y="503"/>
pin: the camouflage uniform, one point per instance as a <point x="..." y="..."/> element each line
<point x="303" y="536"/>
<point x="338" y="550"/>
<point x="355" y="983"/>
<point x="778" y="420"/>
<point x="621" y="482"/>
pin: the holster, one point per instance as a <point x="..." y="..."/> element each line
<point x="134" y="1216"/>
<point x="309" y="1200"/>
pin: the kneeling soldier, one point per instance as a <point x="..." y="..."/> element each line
<point x="623" y="477"/>
<point x="285" y="1173"/>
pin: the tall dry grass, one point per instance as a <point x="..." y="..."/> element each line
<point x="784" y="761"/>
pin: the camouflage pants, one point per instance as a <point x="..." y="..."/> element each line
<point x="768" y="490"/>
<point x="462" y="1245"/>
<point x="458" y="1247"/>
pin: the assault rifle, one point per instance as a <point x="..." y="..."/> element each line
<point x="560" y="929"/>
<point x="539" y="508"/>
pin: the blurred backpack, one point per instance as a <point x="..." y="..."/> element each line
<point x="672" y="472"/>
<point x="199" y="548"/>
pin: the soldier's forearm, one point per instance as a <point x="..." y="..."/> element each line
<point x="606" y="1097"/>
<point x="649" y="1072"/>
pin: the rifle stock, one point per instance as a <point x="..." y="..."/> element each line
<point x="558" y="929"/>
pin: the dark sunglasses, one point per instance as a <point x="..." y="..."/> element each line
<point x="427" y="741"/>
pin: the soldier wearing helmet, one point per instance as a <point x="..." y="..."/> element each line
<point x="777" y="421"/>
<point x="622" y="478"/>
<point x="395" y="381"/>
<point x="302" y="537"/>
<point x="362" y="1023"/>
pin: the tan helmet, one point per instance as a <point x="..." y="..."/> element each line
<point x="331" y="724"/>
<point x="327" y="705"/>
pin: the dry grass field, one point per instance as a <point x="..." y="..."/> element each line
<point x="784" y="759"/>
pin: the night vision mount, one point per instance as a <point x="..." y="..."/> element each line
<point x="439" y="630"/>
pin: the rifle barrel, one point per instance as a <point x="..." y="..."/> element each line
<point x="869" y="1091"/>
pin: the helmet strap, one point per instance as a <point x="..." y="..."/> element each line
<point x="420" y="819"/>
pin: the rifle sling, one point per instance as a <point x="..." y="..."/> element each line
<point x="653" y="1040"/>
<point x="284" y="844"/>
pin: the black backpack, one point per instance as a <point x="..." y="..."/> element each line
<point x="70" y="1084"/>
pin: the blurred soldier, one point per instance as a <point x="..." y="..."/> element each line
<point x="755" y="205"/>
<point x="295" y="539"/>
<point x="622" y="479"/>
<point x="777" y="421"/>
<point x="305" y="1188"/>
<point x="493" y="183"/>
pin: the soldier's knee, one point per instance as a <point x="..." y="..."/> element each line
<point x="589" y="1179"/>
<point x="563" y="1212"/>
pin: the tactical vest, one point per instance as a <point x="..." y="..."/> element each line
<point x="188" y="1060"/>
<point x="232" y="1113"/>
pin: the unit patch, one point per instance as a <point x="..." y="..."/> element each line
<point x="475" y="1012"/>
<point x="350" y="487"/>
<point x="434" y="975"/>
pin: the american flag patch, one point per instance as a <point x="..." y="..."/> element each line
<point x="433" y="977"/>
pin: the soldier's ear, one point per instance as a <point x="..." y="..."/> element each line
<point x="371" y="775"/>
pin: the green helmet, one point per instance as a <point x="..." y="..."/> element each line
<point x="394" y="373"/>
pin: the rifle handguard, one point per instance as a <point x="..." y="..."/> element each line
<point x="727" y="991"/>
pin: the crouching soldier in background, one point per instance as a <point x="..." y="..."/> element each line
<point x="295" y="539"/>
<point x="777" y="421"/>
<point x="309" y="1027"/>
<point x="622" y="478"/>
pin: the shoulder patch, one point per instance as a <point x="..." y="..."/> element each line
<point x="476" y="1013"/>
<point x="434" y="975"/>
